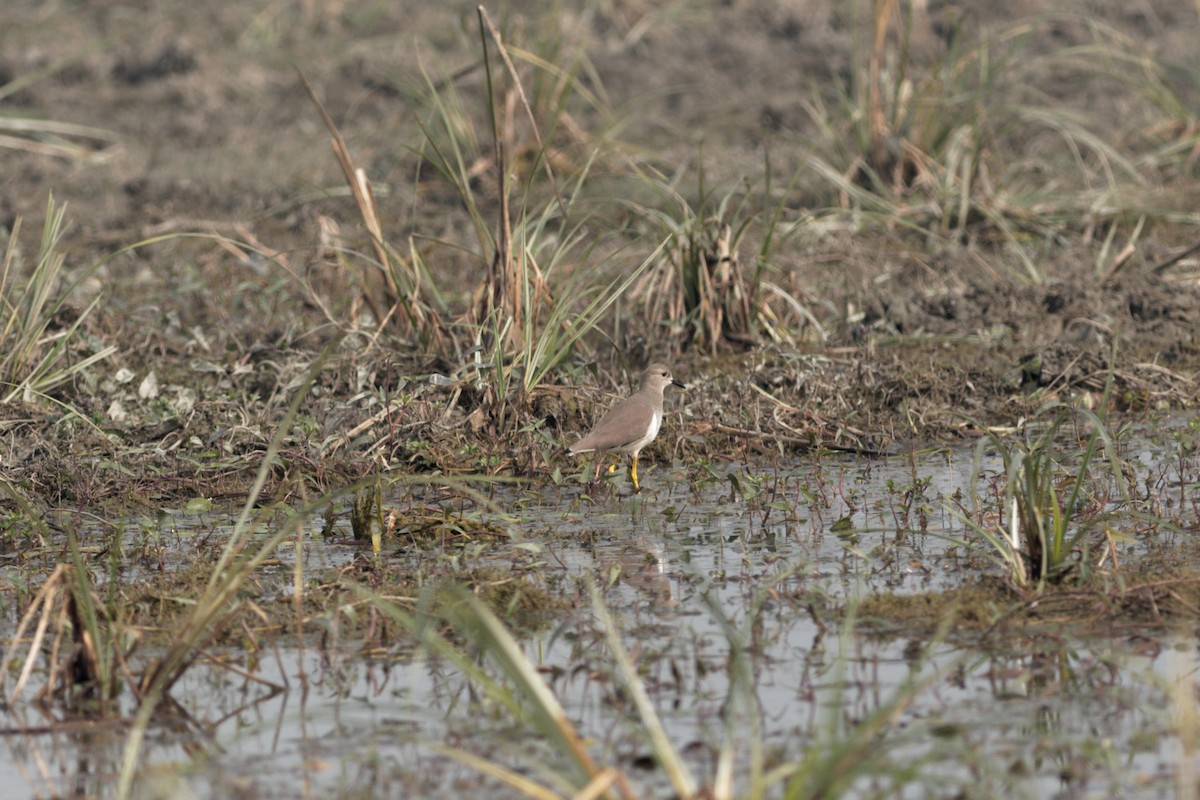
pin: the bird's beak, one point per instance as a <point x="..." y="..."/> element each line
<point x="677" y="383"/>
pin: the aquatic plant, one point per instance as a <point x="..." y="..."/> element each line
<point x="89" y="648"/>
<point x="467" y="634"/>
<point x="1053" y="496"/>
<point x="218" y="604"/>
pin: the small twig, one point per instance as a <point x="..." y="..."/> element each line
<point x="1175" y="259"/>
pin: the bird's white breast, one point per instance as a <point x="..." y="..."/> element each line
<point x="651" y="431"/>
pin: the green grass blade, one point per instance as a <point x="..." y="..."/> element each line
<point x="677" y="770"/>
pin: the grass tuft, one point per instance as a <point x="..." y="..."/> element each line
<point x="1054" y="496"/>
<point x="39" y="338"/>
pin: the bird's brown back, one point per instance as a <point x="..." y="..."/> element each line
<point x="624" y="425"/>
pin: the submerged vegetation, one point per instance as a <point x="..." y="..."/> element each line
<point x="932" y="240"/>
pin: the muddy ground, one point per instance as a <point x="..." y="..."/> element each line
<point x="203" y="126"/>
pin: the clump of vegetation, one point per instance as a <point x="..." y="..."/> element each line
<point x="843" y="755"/>
<point x="40" y="342"/>
<point x="1055" y="497"/>
<point x="931" y="132"/>
<point x="702" y="294"/>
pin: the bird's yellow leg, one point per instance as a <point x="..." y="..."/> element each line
<point x="633" y="474"/>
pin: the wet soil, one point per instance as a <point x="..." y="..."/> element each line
<point x="203" y="127"/>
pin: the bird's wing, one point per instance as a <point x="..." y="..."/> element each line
<point x="631" y="414"/>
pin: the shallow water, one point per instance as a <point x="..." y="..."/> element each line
<point x="687" y="568"/>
